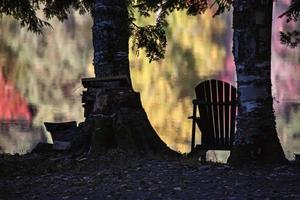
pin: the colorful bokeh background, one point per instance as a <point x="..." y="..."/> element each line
<point x="40" y="77"/>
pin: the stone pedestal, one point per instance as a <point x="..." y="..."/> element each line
<point x="104" y="95"/>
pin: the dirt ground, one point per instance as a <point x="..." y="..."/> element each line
<point x="118" y="175"/>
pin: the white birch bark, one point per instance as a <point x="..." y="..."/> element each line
<point x="256" y="136"/>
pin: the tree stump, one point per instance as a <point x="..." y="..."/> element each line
<point x="121" y="122"/>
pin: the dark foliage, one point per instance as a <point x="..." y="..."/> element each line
<point x="291" y="38"/>
<point x="25" y="12"/>
<point x="151" y="37"/>
<point x="293" y="12"/>
<point x="61" y="9"/>
<point x="223" y="5"/>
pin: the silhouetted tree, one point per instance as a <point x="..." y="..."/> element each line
<point x="292" y="37"/>
<point x="120" y="111"/>
<point x="256" y="137"/>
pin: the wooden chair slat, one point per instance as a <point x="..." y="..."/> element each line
<point x="203" y="111"/>
<point x="215" y="117"/>
<point x="227" y="115"/>
<point x="209" y="115"/>
<point x="221" y="111"/>
<point x="232" y="116"/>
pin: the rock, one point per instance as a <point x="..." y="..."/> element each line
<point x="62" y="131"/>
<point x="177" y="188"/>
<point x="42" y="148"/>
<point x="62" y="126"/>
<point x="67" y="136"/>
<point x="297" y="158"/>
<point x="61" y="145"/>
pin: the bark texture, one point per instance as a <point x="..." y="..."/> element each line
<point x="117" y="115"/>
<point x="256" y="138"/>
<point x="121" y="122"/>
<point x="110" y="38"/>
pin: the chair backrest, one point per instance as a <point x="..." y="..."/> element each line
<point x="217" y="108"/>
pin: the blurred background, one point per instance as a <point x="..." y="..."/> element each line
<point x="40" y="77"/>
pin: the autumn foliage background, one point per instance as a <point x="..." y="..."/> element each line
<point x="45" y="71"/>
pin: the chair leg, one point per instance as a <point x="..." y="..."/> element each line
<point x="193" y="127"/>
<point x="193" y="135"/>
<point x="203" y="157"/>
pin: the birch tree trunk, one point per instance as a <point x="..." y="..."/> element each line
<point x="256" y="138"/>
<point x="118" y="117"/>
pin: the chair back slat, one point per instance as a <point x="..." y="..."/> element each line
<point x="227" y="115"/>
<point x="203" y="112"/>
<point x="210" y="115"/>
<point x="203" y="94"/>
<point x="221" y="111"/>
<point x="215" y="108"/>
<point x="217" y="113"/>
<point x="232" y="116"/>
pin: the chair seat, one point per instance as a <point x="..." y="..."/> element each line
<point x="214" y="147"/>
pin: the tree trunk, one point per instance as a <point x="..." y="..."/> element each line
<point x="256" y="138"/>
<point x="110" y="38"/>
<point x="117" y="114"/>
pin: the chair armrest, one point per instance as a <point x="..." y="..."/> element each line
<point x="193" y="117"/>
